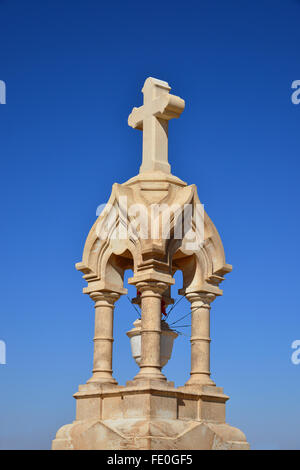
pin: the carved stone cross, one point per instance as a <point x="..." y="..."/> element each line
<point x="152" y="118"/>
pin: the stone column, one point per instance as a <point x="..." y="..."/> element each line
<point x="103" y="339"/>
<point x="200" y="338"/>
<point x="151" y="295"/>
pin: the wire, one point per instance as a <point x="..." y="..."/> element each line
<point x="181" y="333"/>
<point x="174" y="323"/>
<point x="177" y="302"/>
<point x="133" y="306"/>
<point x="183" y="326"/>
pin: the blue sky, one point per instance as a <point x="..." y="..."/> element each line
<point x="73" y="71"/>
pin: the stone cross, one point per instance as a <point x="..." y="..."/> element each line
<point x="152" y="118"/>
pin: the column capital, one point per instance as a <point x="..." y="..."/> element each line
<point x="206" y="298"/>
<point x="157" y="287"/>
<point x="104" y="297"/>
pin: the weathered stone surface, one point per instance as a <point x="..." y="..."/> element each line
<point x="150" y="416"/>
<point x="149" y="412"/>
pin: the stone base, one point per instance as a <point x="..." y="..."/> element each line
<point x="149" y="415"/>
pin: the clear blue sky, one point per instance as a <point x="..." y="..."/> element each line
<point x="74" y="70"/>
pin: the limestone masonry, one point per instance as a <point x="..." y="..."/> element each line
<point x="149" y="412"/>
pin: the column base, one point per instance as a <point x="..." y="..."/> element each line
<point x="199" y="380"/>
<point x="156" y="376"/>
<point x="102" y="380"/>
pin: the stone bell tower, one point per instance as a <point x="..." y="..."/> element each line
<point x="155" y="225"/>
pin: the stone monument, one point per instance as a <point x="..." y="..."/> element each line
<point x="153" y="224"/>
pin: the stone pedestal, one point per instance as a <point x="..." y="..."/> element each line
<point x="149" y="415"/>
